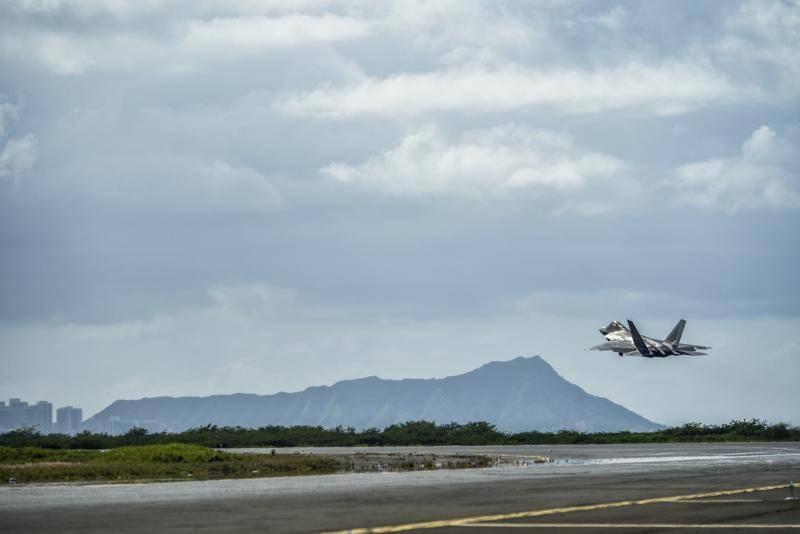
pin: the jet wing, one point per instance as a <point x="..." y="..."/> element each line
<point x="616" y="346"/>
<point x="684" y="352"/>
<point x="633" y="352"/>
<point x="638" y="342"/>
<point x="692" y="350"/>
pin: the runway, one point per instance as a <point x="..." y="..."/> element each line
<point x="648" y="488"/>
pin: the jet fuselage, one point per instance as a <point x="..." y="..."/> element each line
<point x="628" y="342"/>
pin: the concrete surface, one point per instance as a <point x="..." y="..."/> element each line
<point x="603" y="476"/>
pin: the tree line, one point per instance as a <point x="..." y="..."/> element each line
<point x="410" y="433"/>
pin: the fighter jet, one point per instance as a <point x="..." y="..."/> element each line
<point x="629" y="342"/>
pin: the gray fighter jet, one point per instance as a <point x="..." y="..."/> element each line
<point x="629" y="342"/>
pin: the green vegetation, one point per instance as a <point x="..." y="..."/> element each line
<point x="29" y="456"/>
<point x="151" y="462"/>
<point x="411" y="433"/>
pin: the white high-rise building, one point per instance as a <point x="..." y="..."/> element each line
<point x="20" y="414"/>
<point x="69" y="420"/>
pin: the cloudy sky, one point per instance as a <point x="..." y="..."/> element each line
<point x="205" y="197"/>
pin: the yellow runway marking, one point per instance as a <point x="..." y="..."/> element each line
<point x="721" y="501"/>
<point x="726" y="526"/>
<point x="551" y="511"/>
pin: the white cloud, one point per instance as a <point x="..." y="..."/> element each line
<point x="66" y="54"/>
<point x="762" y="34"/>
<point x="179" y="45"/>
<point x="466" y="32"/>
<point x="612" y="20"/>
<point x="223" y="184"/>
<point x="189" y="187"/>
<point x="762" y="175"/>
<point x="159" y="90"/>
<point x="494" y="162"/>
<point x="666" y="89"/>
<point x="7" y="111"/>
<point x="132" y="9"/>
<point x="165" y="185"/>
<point x="114" y="331"/>
<point x="18" y="155"/>
<point x="36" y="6"/>
<point x="256" y="33"/>
<point x="252" y="299"/>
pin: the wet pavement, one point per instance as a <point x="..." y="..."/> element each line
<point x="579" y="475"/>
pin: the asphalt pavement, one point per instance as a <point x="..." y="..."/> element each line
<point x="631" y="488"/>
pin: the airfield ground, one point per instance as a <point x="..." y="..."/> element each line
<point x="630" y="488"/>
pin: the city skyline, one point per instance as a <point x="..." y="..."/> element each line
<point x="19" y="414"/>
<point x="22" y="414"/>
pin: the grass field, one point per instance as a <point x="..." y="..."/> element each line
<point x="173" y="461"/>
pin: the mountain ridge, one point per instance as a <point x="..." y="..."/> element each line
<point x="524" y="393"/>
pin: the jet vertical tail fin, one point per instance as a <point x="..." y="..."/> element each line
<point x="674" y="337"/>
<point x="638" y="342"/>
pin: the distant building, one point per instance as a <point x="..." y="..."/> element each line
<point x="69" y="420"/>
<point x="44" y="416"/>
<point x="152" y="427"/>
<point x="115" y="426"/>
<point x="20" y="414"/>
